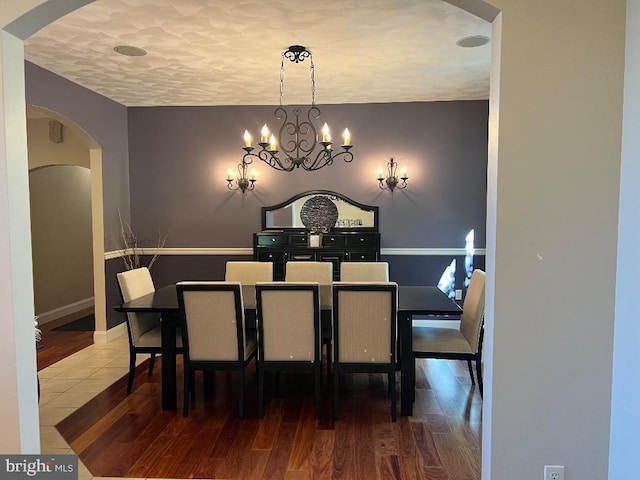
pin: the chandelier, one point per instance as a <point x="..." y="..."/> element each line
<point x="300" y="143"/>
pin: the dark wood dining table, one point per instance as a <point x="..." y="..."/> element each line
<point x="412" y="301"/>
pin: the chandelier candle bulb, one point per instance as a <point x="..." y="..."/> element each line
<point x="264" y="134"/>
<point x="229" y="174"/>
<point x="272" y="143"/>
<point x="326" y="137"/>
<point x="247" y="139"/>
<point x="380" y="174"/>
<point x="253" y="174"/>
<point x="347" y="137"/>
<point x="403" y="172"/>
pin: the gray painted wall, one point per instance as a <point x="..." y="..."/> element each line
<point x="179" y="158"/>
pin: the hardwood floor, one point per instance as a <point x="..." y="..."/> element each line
<point x="130" y="436"/>
<point x="57" y="345"/>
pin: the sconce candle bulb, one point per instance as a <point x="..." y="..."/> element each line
<point x="392" y="181"/>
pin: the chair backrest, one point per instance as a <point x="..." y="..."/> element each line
<point x="364" y="321"/>
<point x="135" y="284"/>
<point x="364" y="272"/>
<point x="321" y="272"/>
<point x="248" y="274"/>
<point x="473" y="310"/>
<point x="288" y="321"/>
<point x="212" y="315"/>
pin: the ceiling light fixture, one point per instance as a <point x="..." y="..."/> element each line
<point x="298" y="138"/>
<point x="129" y="51"/>
<point x="473" y="41"/>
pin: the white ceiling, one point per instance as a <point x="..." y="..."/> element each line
<point x="226" y="52"/>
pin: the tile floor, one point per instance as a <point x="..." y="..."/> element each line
<point x="70" y="383"/>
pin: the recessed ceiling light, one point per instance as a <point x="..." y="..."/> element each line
<point x="129" y="51"/>
<point x="473" y="41"/>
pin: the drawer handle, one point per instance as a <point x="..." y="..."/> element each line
<point x="361" y="239"/>
<point x="273" y="239"/>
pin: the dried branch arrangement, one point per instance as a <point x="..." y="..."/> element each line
<point x="133" y="248"/>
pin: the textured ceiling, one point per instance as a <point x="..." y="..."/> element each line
<point x="226" y="52"/>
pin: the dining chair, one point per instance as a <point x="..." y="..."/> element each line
<point x="143" y="329"/>
<point x="214" y="336"/>
<point x="248" y="273"/>
<point x="364" y="333"/>
<point x="289" y="337"/>
<point x="364" y="272"/>
<point x="321" y="272"/>
<point x="464" y="343"/>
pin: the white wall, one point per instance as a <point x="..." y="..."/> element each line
<point x="555" y="172"/>
<point x="60" y="197"/>
<point x="625" y="416"/>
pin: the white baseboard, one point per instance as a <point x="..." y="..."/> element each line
<point x="111" y="334"/>
<point x="65" y="310"/>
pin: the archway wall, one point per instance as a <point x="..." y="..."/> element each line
<point x="103" y="119"/>
<point x="554" y="176"/>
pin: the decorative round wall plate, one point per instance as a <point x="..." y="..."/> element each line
<point x="319" y="214"/>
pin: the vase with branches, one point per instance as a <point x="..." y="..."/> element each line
<point x="133" y="247"/>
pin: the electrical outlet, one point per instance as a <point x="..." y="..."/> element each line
<point x="553" y="472"/>
<point x="458" y="294"/>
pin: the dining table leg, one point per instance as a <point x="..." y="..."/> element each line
<point x="169" y="393"/>
<point x="407" y="365"/>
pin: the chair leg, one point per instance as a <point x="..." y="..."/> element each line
<point x="241" y="392"/>
<point x="260" y="373"/>
<point x="317" y="373"/>
<point x="473" y="382"/>
<point x="479" y="374"/>
<point x="336" y="400"/>
<point x="132" y="369"/>
<point x="152" y="361"/>
<point x="392" y="388"/>
<point x="187" y="389"/>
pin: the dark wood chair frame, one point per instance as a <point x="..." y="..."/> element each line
<point x="314" y="367"/>
<point x="133" y="351"/>
<point x="190" y="367"/>
<point x="388" y="368"/>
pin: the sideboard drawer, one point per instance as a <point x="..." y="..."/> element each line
<point x="363" y="256"/>
<point x="298" y="239"/>
<point x="329" y="240"/>
<point x="364" y="240"/>
<point x="270" y="256"/>
<point x="265" y="240"/>
<point x="302" y="256"/>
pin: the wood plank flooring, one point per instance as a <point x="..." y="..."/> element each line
<point x="120" y="435"/>
<point x="57" y="345"/>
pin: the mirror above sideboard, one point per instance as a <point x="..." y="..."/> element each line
<point x="320" y="211"/>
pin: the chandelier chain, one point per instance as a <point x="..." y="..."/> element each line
<point x="312" y="69"/>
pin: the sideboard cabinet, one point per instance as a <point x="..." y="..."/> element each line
<point x="283" y="247"/>
<point x="319" y="226"/>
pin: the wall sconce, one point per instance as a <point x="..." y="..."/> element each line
<point x="242" y="182"/>
<point x="391" y="181"/>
